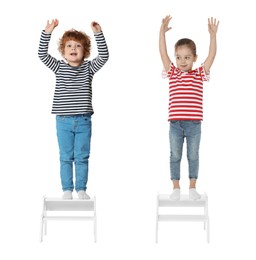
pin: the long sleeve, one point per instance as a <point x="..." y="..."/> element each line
<point x="103" y="54"/>
<point x="46" y="58"/>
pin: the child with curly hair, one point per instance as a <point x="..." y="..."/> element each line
<point x="72" y="102"/>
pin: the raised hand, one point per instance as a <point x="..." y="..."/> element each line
<point x="51" y="25"/>
<point x="95" y="27"/>
<point x="165" y="24"/>
<point x="212" y="28"/>
<point x="213" y="25"/>
<point x="162" y="42"/>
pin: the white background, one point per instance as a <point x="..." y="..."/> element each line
<point x="129" y="161"/>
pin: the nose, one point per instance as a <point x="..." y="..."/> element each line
<point x="183" y="61"/>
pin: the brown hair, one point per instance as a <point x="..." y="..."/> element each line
<point x="73" y="35"/>
<point x="189" y="43"/>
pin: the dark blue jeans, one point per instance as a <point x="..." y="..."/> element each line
<point x="74" y="139"/>
<point x="179" y="130"/>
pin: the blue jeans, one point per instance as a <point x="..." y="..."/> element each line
<point x="74" y="138"/>
<point x="179" y="130"/>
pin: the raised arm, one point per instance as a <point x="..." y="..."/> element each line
<point x="212" y="28"/>
<point x="162" y="42"/>
<point x="103" y="53"/>
<point x="46" y="58"/>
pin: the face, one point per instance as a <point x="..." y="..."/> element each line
<point x="73" y="53"/>
<point x="184" y="58"/>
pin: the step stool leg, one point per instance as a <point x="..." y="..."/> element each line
<point x="205" y="214"/>
<point x="42" y="220"/>
<point x="95" y="230"/>
<point x="41" y="229"/>
<point x="45" y="227"/>
<point x="208" y="230"/>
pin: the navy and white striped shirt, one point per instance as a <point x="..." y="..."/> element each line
<point x="73" y="91"/>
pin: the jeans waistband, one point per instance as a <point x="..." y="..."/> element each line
<point x="75" y="116"/>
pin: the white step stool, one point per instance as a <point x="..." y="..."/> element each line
<point x="54" y="209"/>
<point x="163" y="200"/>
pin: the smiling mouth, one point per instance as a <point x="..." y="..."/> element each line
<point x="73" y="54"/>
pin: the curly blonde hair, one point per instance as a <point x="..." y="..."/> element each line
<point x="78" y="36"/>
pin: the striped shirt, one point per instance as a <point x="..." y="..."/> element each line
<point x="73" y="90"/>
<point x="186" y="93"/>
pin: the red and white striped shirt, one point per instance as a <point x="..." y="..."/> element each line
<point x="186" y="93"/>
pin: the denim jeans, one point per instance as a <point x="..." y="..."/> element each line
<point x="179" y="130"/>
<point x="74" y="138"/>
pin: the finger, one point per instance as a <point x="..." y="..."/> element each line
<point x="211" y="20"/>
<point x="166" y="18"/>
<point x="94" y="23"/>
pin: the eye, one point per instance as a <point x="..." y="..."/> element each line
<point x="68" y="45"/>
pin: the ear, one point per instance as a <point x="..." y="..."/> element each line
<point x="195" y="58"/>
